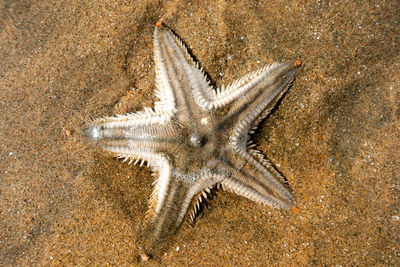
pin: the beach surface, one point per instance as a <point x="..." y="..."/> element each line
<point x="335" y="136"/>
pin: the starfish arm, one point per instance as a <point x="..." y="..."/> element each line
<point x="258" y="89"/>
<point x="267" y="80"/>
<point x="182" y="87"/>
<point x="256" y="179"/>
<point x="134" y="136"/>
<point x="249" y="110"/>
<point x="173" y="192"/>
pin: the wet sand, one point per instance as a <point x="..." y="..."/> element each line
<point x="335" y="135"/>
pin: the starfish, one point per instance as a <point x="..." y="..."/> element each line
<point x="196" y="137"/>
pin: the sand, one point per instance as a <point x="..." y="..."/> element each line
<point x="335" y="135"/>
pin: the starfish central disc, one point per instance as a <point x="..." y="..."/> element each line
<point x="197" y="140"/>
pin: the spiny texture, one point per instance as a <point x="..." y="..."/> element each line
<point x="193" y="144"/>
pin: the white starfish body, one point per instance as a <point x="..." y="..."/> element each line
<point x="191" y="143"/>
